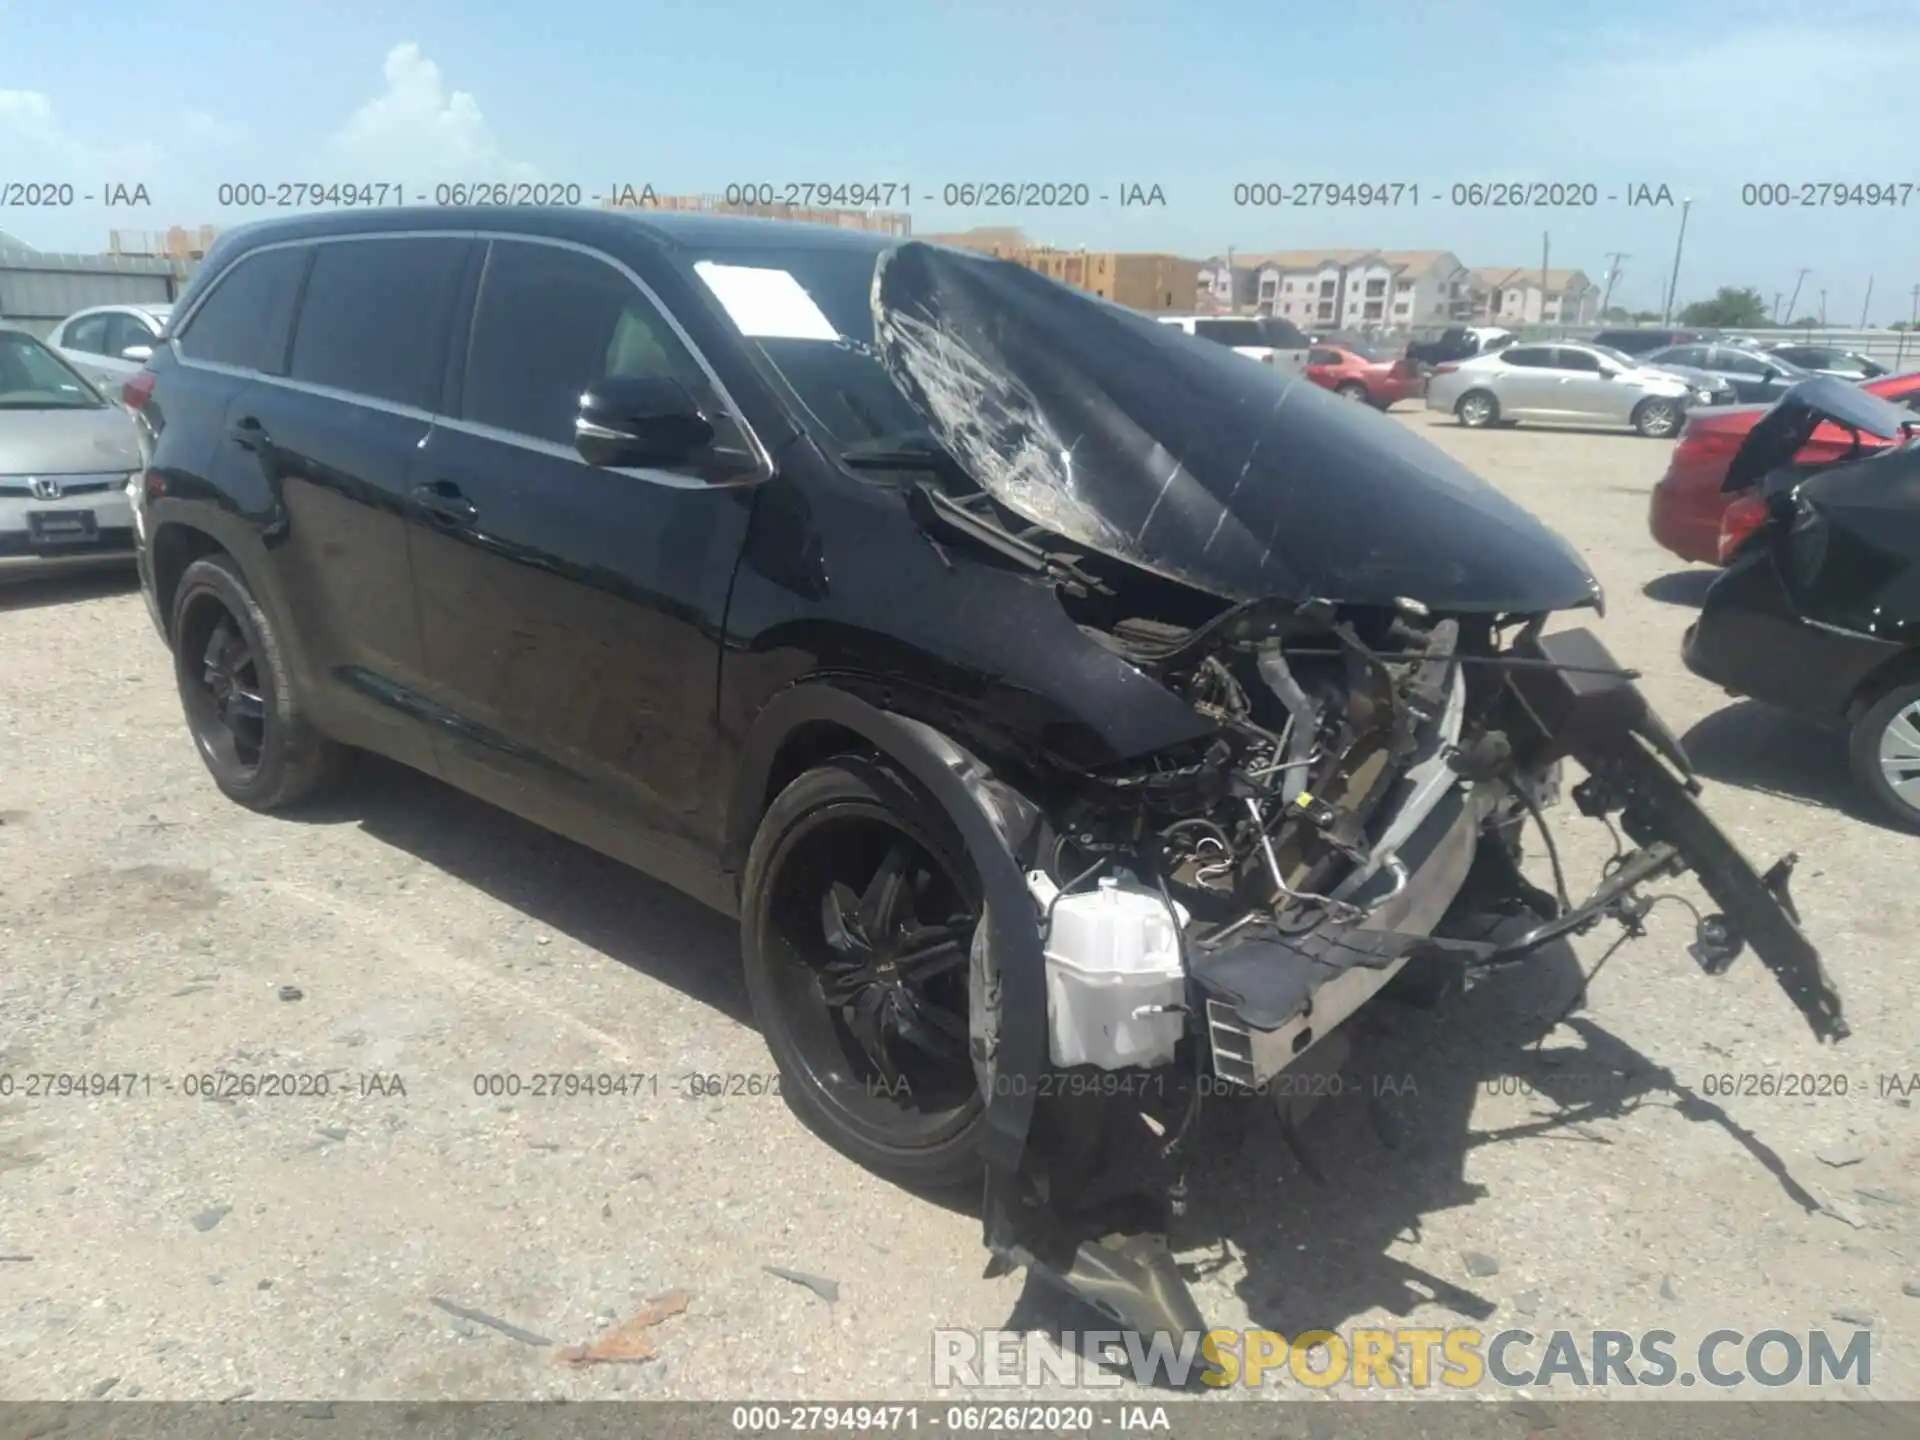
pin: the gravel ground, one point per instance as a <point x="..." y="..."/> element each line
<point x="407" y="939"/>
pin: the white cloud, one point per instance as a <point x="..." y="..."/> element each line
<point x="33" y="137"/>
<point x="416" y="129"/>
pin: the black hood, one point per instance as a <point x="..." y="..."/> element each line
<point x="1175" y="454"/>
<point x="1779" y="434"/>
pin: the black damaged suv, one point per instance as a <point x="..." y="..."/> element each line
<point x="1049" y="693"/>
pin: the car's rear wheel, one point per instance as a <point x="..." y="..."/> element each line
<point x="240" y="707"/>
<point x="1884" y="747"/>
<point x="1351" y="390"/>
<point x="1477" y="409"/>
<point x="858" y="910"/>
<point x="1657" y="418"/>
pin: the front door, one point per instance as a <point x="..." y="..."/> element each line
<point x="572" y="615"/>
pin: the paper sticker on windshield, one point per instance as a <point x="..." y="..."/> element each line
<point x="766" y="304"/>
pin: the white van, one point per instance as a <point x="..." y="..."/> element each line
<point x="1279" y="343"/>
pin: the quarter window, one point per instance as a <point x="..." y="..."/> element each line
<point x="550" y="323"/>
<point x="375" y="318"/>
<point x="243" y="322"/>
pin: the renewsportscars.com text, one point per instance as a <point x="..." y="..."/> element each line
<point x="1406" y="1358"/>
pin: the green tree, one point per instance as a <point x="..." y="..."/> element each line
<point x="1729" y="309"/>
<point x="1618" y="314"/>
<point x="1805" y="322"/>
<point x="1642" y="317"/>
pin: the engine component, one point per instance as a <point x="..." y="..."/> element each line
<point x="1116" y="979"/>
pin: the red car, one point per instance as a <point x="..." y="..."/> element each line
<point x="1690" y="514"/>
<point x="1378" y="377"/>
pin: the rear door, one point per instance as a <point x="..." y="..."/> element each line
<point x="335" y="430"/>
<point x="572" y="614"/>
<point x="1750" y="375"/>
<point x="83" y="344"/>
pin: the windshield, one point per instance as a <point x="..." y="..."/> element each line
<point x="815" y="329"/>
<point x="1618" y="357"/>
<point x="32" y="377"/>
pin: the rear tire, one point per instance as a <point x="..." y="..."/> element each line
<point x="241" y="711"/>
<point x="1658" y="419"/>
<point x="1352" y="390"/>
<point x="821" y="855"/>
<point x="1884" y="748"/>
<point x="1477" y="409"/>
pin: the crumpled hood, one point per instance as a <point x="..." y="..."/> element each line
<point x="1177" y="455"/>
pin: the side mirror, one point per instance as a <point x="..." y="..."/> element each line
<point x="640" y="420"/>
<point x="139" y="354"/>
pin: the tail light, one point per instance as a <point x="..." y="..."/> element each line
<point x="1267" y="359"/>
<point x="1702" y="445"/>
<point x="1739" y="522"/>
<point x="137" y="391"/>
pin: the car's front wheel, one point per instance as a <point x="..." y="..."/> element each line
<point x="1352" y="390"/>
<point x="240" y="707"/>
<point x="1477" y="409"/>
<point x="858" y="909"/>
<point x="1884" y="747"/>
<point x="1657" y="419"/>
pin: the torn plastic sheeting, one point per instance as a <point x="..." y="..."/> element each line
<point x="1177" y="455"/>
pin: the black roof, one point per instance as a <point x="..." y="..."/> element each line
<point x="678" y="229"/>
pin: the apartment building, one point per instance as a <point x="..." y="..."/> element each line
<point x="1140" y="280"/>
<point x="1342" y="289"/>
<point x="1514" y="295"/>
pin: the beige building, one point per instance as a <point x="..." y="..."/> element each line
<point x="174" y="243"/>
<point x="1514" y="295"/>
<point x="1139" y="280"/>
<point x="1341" y="289"/>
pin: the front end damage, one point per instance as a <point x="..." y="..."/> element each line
<point x="1361" y="626"/>
<point x="1359" y="809"/>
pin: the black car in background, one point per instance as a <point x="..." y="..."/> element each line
<point x="1645" y="342"/>
<point x="964" y="635"/>
<point x="1818" y="612"/>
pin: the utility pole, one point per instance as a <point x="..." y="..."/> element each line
<point x="1673" y="282"/>
<point x="1546" y="245"/>
<point x="1866" y="303"/>
<point x="1913" y="321"/>
<point x="1823" y="309"/>
<point x="1796" y="292"/>
<point x="1613" y="273"/>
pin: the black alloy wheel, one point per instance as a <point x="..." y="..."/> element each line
<point x="859" y="911"/>
<point x="240" y="709"/>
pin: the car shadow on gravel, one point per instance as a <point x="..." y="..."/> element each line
<point x="1682" y="587"/>
<point x="577" y="892"/>
<point x="1327" y="1226"/>
<point x="1754" y="747"/>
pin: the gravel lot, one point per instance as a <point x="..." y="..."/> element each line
<point x="294" y="1247"/>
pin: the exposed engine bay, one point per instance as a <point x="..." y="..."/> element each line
<point x="1360" y="624"/>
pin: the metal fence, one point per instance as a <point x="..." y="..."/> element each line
<point x="39" y="289"/>
<point x="1897" y="349"/>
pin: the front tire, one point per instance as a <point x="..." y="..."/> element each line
<point x="1352" y="390"/>
<point x="1657" y="419"/>
<point x="249" y="729"/>
<point x="1884" y="748"/>
<point x="858" y="909"/>
<point x="1477" y="410"/>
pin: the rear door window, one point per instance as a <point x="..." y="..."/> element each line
<point x="124" y="331"/>
<point x="87" y="334"/>
<point x="1734" y="361"/>
<point x="376" y="316"/>
<point x="1531" y="357"/>
<point x="1323" y="357"/>
<point x="1568" y="359"/>
<point x="243" y="321"/>
<point x="1237" y="333"/>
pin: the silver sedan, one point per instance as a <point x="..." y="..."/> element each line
<point x="67" y="457"/>
<point x="1565" y="384"/>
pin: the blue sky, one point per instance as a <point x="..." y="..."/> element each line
<point x="183" y="95"/>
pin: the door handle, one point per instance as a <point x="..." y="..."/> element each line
<point x="442" y="500"/>
<point x="249" y="434"/>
